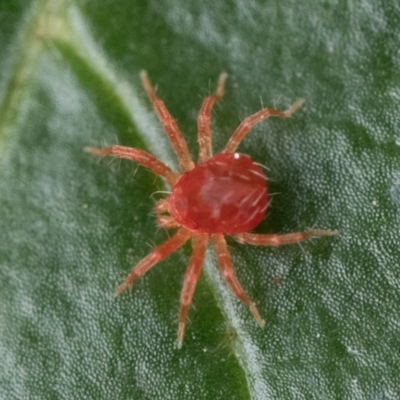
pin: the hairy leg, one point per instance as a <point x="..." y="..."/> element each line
<point x="204" y="120"/>
<point x="278" y="240"/>
<point x="171" y="128"/>
<point x="158" y="254"/>
<point x="243" y="129"/>
<point x="199" y="243"/>
<point x="227" y="272"/>
<point x="141" y="157"/>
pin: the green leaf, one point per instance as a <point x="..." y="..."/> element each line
<point x="72" y="226"/>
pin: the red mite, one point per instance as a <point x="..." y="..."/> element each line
<point x="222" y="194"/>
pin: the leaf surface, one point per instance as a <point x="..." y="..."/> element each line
<point x="72" y="226"/>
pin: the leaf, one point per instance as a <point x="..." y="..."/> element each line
<point x="73" y="226"/>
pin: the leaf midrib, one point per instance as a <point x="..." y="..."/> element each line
<point x="48" y="27"/>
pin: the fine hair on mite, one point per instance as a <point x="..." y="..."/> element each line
<point x="223" y="194"/>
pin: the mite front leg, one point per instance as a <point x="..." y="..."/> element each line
<point x="243" y="129"/>
<point x="227" y="272"/>
<point x="158" y="254"/>
<point x="279" y="240"/>
<point x="204" y="120"/>
<point x="199" y="243"/>
<point x="141" y="157"/>
<point x="170" y="127"/>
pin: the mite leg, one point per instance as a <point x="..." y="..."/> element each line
<point x="170" y="127"/>
<point x="227" y="272"/>
<point x="243" y="129"/>
<point x="199" y="243"/>
<point x="158" y="254"/>
<point x="278" y="240"/>
<point x="204" y="120"/>
<point x="141" y="157"/>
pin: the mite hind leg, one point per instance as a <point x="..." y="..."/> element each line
<point x="192" y="274"/>
<point x="228" y="273"/>
<point x="279" y="240"/>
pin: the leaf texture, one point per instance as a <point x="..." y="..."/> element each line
<point x="72" y="226"/>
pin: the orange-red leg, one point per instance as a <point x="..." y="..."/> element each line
<point x="199" y="243"/>
<point x="158" y="254"/>
<point x="227" y="272"/>
<point x="171" y="128"/>
<point x="243" y="129"/>
<point x="141" y="157"/>
<point x="204" y="120"/>
<point x="278" y="240"/>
